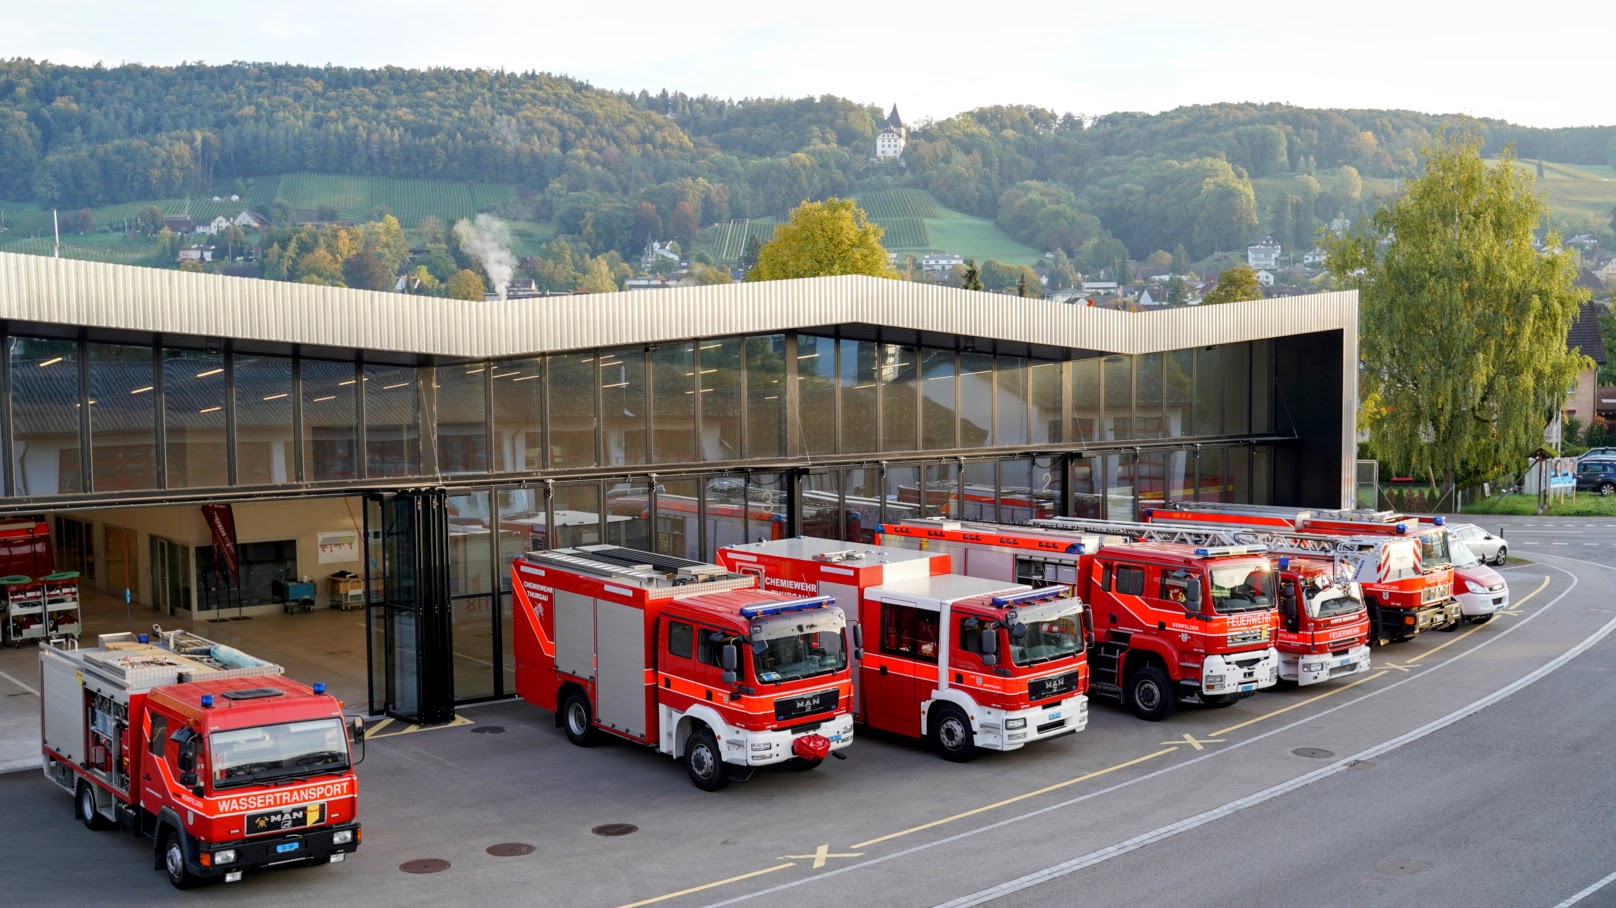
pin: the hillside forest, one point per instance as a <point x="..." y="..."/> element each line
<point x="604" y="173"/>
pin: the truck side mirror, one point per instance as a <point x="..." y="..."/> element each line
<point x="990" y="646"/>
<point x="726" y="660"/>
<point x="858" y="642"/>
<point x="1192" y="593"/>
<point x="1018" y="631"/>
<point x="356" y="729"/>
<point x="1287" y="606"/>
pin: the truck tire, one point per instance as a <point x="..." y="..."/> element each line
<point x="577" y="719"/>
<point x="1151" y="694"/>
<point x="704" y="762"/>
<point x="951" y="733"/>
<point x="174" y="862"/>
<point x="84" y="804"/>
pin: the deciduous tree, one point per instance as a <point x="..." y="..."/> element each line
<point x="823" y="238"/>
<point x="1463" y="322"/>
<point x="1234" y="284"/>
<point x="466" y="284"/>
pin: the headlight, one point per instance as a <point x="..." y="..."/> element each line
<point x="1015" y="723"/>
<point x="227" y="856"/>
<point x="758" y="746"/>
<point x="1214" y="679"/>
<point x="342" y="837"/>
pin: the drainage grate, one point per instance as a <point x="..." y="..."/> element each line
<point x="488" y="729"/>
<point x="1401" y="867"/>
<point x="424" y="865"/>
<point x="615" y="829"/>
<point x="1314" y="753"/>
<point x="510" y="849"/>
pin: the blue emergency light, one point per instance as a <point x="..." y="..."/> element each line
<point x="207" y="701"/>
<point x="1440" y="520"/>
<point x="780" y="608"/>
<point x="1075" y="548"/>
<point x="880" y="528"/>
<point x="1284" y="562"/>
<point x="319" y="687"/>
<point x="1402" y="528"/>
<point x="1048" y="592"/>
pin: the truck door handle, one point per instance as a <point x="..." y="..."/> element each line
<point x="883" y="669"/>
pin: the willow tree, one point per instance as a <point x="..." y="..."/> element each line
<point x="1462" y="320"/>
<point x="823" y="238"/>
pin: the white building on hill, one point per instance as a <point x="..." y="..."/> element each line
<point x="889" y="144"/>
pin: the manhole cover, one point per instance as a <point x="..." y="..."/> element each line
<point x="1361" y="764"/>
<point x="1401" y="868"/>
<point x="510" y="849"/>
<point x="424" y="865"/>
<point x="614" y="829"/>
<point x="488" y="729"/>
<point x="1314" y="753"/>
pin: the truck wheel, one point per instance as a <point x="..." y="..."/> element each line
<point x="577" y="719"/>
<point x="951" y="733"/>
<point x="174" y="863"/>
<point x="88" y="815"/>
<point x="703" y="761"/>
<point x="1151" y="694"/>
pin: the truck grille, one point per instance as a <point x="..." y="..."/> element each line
<point x="1052" y="686"/>
<point x="1254" y="635"/>
<point x="1048" y="727"/>
<point x="804" y="705"/>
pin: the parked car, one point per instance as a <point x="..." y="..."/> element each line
<point x="1597" y="476"/>
<point x="1480" y="590"/>
<point x="1485" y="546"/>
<point x="1596" y="452"/>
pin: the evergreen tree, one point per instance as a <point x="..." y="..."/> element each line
<point x="973" y="276"/>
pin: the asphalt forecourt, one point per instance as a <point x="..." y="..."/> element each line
<point x="499" y="807"/>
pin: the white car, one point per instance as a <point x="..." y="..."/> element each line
<point x="1480" y="590"/>
<point x="1487" y="547"/>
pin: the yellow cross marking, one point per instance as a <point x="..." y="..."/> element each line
<point x="821" y="854"/>
<point x="1508" y="611"/>
<point x="1195" y="742"/>
<point x="1393" y="665"/>
<point x="412" y="729"/>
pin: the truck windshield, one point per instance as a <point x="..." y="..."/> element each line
<point x="804" y="655"/>
<point x="264" y="753"/>
<point x="1241" y="588"/>
<point x="1045" y="640"/>
<point x="1434" y="551"/>
<point x="1333" y="601"/>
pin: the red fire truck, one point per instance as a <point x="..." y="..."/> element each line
<point x="685" y="657"/>
<point x="1168" y="621"/>
<point x="1403" y="563"/>
<point x="228" y="765"/>
<point x="964" y="663"/>
<point x="1324" y="626"/>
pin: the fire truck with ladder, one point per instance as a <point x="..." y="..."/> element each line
<point x="963" y="663"/>
<point x="225" y="763"/>
<point x="1324" y="626"/>
<point x="682" y="656"/>
<point x="1166" y="621"/>
<point x="1403" y="563"/>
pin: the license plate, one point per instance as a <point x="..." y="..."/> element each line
<point x="1246" y="687"/>
<point x="1344" y="662"/>
<point x="289" y="846"/>
<point x="1055" y="714"/>
<point x="835" y="738"/>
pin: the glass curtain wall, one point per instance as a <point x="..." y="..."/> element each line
<point x="461" y="397"/>
<point x="673" y="393"/>
<point x="195" y="443"/>
<point x="330" y="420"/>
<point x="392" y="421"/>
<point x="622" y="406"/>
<point x="518" y="399"/>
<point x="46" y="417"/>
<point x="123" y="417"/>
<point x="265" y="453"/>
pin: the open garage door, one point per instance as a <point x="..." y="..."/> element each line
<point x="408" y="614"/>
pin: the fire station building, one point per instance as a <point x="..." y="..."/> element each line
<point x="369" y="463"/>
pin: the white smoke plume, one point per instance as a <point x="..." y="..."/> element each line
<point x="488" y="241"/>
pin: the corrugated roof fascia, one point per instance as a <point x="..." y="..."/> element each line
<point x="95" y="294"/>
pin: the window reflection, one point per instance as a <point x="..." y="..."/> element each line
<point x="765" y="396"/>
<point x="518" y="411"/>
<point x="718" y="379"/>
<point x="330" y="414"/>
<point x="264" y="405"/>
<point x="673" y="427"/>
<point x="45" y="411"/>
<point x="622" y="397"/>
<point x="816" y="393"/>
<point x="194" y="383"/>
<point x="123" y="423"/>
<point x="392" y="421"/>
<point x="462" y="414"/>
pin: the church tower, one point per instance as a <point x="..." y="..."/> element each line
<point x="889" y="144"/>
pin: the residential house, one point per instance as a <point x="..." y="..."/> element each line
<point x="941" y="262"/>
<point x="250" y="220"/>
<point x="1315" y="258"/>
<point x="1264" y="253"/>
<point x="218" y="225"/>
<point x="655" y="252"/>
<point x="195" y="254"/>
<point x="1607" y="272"/>
<point x="1582" y="401"/>
<point x="180" y="224"/>
<point x="1265" y="278"/>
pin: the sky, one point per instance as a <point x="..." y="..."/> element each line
<point x="931" y="60"/>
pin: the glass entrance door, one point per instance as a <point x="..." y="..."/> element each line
<point x="407" y="611"/>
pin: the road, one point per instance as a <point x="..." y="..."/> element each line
<point x="1468" y="768"/>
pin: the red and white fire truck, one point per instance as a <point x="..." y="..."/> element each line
<point x="1402" y="562"/>
<point x="964" y="663"/>
<point x="682" y="656"/>
<point x="1167" y="621"/>
<point x="228" y="765"/>
<point x="1323" y="627"/>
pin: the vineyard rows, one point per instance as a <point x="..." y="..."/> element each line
<point x="904" y="233"/>
<point x="888" y="204"/>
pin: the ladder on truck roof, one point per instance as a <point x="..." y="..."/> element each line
<point x="1277" y="543"/>
<point x="1359" y="515"/>
<point x="144" y="661"/>
<point x="633" y="567"/>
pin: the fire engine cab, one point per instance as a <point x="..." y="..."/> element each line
<point x="964" y="663"/>
<point x="1168" y="621"/>
<point x="228" y="765"/>
<point x="686" y="657"/>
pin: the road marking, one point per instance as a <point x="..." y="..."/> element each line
<point x="1298" y="704"/>
<point x="733" y="879"/>
<point x="1119" y="849"/>
<point x="1195" y="742"/>
<point x="1587" y="892"/>
<point x="1021" y="797"/>
<point x="19" y="684"/>
<point x="822" y="853"/>
<point x="410" y="728"/>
